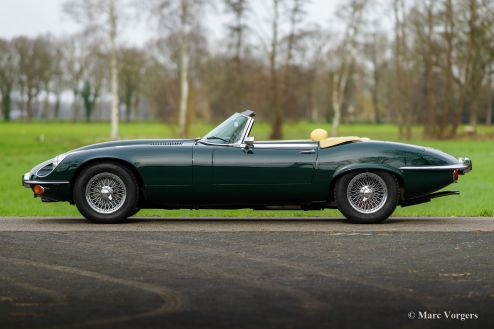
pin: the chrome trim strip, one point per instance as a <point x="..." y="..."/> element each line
<point x="246" y="131"/>
<point x="45" y="182"/>
<point x="467" y="162"/>
<point x="444" y="167"/>
<point x="286" y="145"/>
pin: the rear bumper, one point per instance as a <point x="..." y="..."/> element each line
<point x="467" y="165"/>
<point x="464" y="166"/>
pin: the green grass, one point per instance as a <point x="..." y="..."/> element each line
<point x="22" y="145"/>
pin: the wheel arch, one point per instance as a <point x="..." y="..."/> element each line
<point x="118" y="161"/>
<point x="340" y="172"/>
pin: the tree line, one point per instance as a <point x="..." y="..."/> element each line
<point x="408" y="62"/>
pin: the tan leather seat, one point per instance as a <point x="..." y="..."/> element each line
<point x="333" y="141"/>
<point x="321" y="136"/>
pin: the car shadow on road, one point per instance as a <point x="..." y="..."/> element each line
<point x="391" y="221"/>
<point x="244" y="220"/>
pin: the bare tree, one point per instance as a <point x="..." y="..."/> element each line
<point x="47" y="57"/>
<point x="58" y="78"/>
<point x="375" y="48"/>
<point x="113" y="21"/>
<point x="104" y="16"/>
<point x="32" y="70"/>
<point x="132" y="64"/>
<point x="237" y="28"/>
<point x="490" y="98"/>
<point x="296" y="12"/>
<point x="93" y="77"/>
<point x="423" y="27"/>
<point x="181" y="18"/>
<point x="184" y="67"/>
<point x="477" y="55"/>
<point x="401" y="84"/>
<point x="277" y="125"/>
<point x="8" y="68"/>
<point x="74" y="64"/>
<point x="456" y="38"/>
<point x="313" y="52"/>
<point x="345" y="51"/>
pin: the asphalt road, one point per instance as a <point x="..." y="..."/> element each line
<point x="246" y="273"/>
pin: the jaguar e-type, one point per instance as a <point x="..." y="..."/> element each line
<point x="227" y="169"/>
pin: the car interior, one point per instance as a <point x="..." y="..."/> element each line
<point x="321" y="136"/>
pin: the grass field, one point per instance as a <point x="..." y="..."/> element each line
<point x="24" y="145"/>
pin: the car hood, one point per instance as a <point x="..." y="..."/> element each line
<point x="135" y="142"/>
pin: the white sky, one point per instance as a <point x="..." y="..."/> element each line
<point x="35" y="17"/>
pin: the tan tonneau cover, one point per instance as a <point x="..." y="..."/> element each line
<point x="333" y="141"/>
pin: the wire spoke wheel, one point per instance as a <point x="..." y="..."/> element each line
<point x="367" y="193"/>
<point x="105" y="193"/>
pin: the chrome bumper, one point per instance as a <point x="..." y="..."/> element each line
<point x="25" y="178"/>
<point x="467" y="165"/>
<point x="464" y="165"/>
<point x="28" y="182"/>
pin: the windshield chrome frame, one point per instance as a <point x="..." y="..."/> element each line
<point x="240" y="143"/>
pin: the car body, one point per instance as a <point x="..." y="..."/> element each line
<point x="226" y="169"/>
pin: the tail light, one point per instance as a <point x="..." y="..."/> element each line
<point x="455" y="175"/>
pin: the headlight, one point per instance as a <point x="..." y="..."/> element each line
<point x="58" y="159"/>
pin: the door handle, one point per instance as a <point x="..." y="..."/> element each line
<point x="308" y="152"/>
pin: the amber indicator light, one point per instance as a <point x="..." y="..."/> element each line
<point x="38" y="189"/>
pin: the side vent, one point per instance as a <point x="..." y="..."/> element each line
<point x="166" y="143"/>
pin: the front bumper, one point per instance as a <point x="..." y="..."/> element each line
<point x="53" y="190"/>
<point x="29" y="181"/>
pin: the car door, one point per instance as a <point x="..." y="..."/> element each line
<point x="271" y="172"/>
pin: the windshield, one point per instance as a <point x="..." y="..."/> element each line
<point x="230" y="131"/>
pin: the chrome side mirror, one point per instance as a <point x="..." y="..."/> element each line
<point x="249" y="142"/>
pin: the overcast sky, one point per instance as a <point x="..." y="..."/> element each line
<point x="34" y="17"/>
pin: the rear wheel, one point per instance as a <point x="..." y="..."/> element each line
<point x="367" y="197"/>
<point x="106" y="193"/>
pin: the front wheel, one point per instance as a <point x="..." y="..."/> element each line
<point x="106" y="193"/>
<point x="366" y="197"/>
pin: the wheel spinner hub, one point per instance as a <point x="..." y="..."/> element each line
<point x="366" y="192"/>
<point x="106" y="193"/>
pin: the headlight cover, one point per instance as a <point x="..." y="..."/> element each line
<point x="58" y="159"/>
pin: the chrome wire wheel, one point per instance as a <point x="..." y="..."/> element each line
<point x="105" y="193"/>
<point x="367" y="193"/>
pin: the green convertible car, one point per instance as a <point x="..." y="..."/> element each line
<point x="227" y="169"/>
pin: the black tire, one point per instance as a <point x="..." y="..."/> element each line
<point x="354" y="190"/>
<point x="134" y="212"/>
<point x="124" y="182"/>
